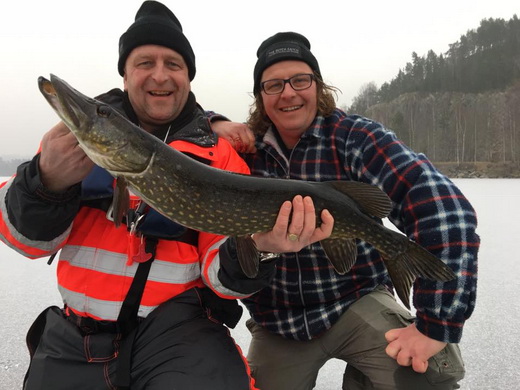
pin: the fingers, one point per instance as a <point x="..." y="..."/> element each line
<point x="238" y="134"/>
<point x="282" y="221"/>
<point x="394" y="347"/>
<point x="250" y="141"/>
<point x="395" y="352"/>
<point x="404" y="359"/>
<point x="326" y="227"/>
<point x="310" y="233"/>
<point x="403" y="355"/>
<point x="392" y="335"/>
<point x="419" y="366"/>
<point x="295" y="227"/>
<point x="59" y="139"/>
<point x="62" y="162"/>
<point x="294" y="231"/>
<point x="244" y="142"/>
<point x="303" y="223"/>
<point x="60" y="130"/>
<point x="392" y="350"/>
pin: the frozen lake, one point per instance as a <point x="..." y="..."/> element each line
<point x="491" y="336"/>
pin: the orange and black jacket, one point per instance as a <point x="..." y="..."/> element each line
<point x="96" y="260"/>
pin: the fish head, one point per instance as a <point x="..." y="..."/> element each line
<point x="109" y="139"/>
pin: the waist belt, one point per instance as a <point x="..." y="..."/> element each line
<point x="89" y="325"/>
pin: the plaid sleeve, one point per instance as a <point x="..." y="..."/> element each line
<point x="430" y="210"/>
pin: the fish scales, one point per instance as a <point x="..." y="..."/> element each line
<point x="212" y="200"/>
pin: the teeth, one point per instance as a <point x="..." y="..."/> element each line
<point x="160" y="93"/>
<point x="293" y="108"/>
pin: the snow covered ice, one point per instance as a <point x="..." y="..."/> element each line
<point x="489" y="343"/>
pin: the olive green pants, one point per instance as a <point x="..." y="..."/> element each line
<point x="358" y="338"/>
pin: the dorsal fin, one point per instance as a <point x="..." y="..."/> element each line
<point x="370" y="198"/>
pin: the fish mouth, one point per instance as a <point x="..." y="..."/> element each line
<point x="48" y="90"/>
<point x="91" y="122"/>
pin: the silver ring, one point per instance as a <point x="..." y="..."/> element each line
<point x="292" y="237"/>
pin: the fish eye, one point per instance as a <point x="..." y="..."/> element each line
<point x="104" y="111"/>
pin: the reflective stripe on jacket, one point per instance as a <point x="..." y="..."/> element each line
<point x="94" y="271"/>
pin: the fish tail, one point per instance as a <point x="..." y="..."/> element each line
<point x="412" y="263"/>
<point x="427" y="265"/>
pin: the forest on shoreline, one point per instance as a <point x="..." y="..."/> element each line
<point x="460" y="108"/>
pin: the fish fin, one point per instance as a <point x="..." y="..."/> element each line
<point x="369" y="198"/>
<point x="342" y="253"/>
<point x="121" y="201"/>
<point x="402" y="278"/>
<point x="248" y="256"/>
<point x="415" y="262"/>
<point x="427" y="265"/>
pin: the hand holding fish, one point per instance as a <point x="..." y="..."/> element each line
<point x="62" y="162"/>
<point x="293" y="232"/>
<point x="409" y="347"/>
<point x="238" y="134"/>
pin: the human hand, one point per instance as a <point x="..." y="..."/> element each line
<point x="409" y="347"/>
<point x="238" y="134"/>
<point x="62" y="162"/>
<point x="300" y="232"/>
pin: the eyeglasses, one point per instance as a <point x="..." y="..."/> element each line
<point x="298" y="82"/>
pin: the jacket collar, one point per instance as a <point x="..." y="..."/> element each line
<point x="191" y="125"/>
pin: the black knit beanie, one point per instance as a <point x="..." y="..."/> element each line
<point x="155" y="24"/>
<point x="280" y="47"/>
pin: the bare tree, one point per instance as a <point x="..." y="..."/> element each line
<point x="366" y="98"/>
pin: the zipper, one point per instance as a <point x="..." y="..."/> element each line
<point x="302" y="299"/>
<point x="300" y="278"/>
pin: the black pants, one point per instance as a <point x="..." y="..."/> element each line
<point x="176" y="347"/>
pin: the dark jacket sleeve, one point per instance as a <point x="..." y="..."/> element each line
<point x="232" y="277"/>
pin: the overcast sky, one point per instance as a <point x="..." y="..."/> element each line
<point x="355" y="42"/>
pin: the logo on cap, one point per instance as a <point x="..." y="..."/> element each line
<point x="283" y="51"/>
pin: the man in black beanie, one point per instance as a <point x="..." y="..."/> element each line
<point x="283" y="46"/>
<point x="155" y="24"/>
<point x="144" y="305"/>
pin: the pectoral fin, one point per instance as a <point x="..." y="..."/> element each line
<point x="248" y="256"/>
<point x="121" y="201"/>
<point x="342" y="253"/>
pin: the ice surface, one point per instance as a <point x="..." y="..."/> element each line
<point x="491" y="336"/>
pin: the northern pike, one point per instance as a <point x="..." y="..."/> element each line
<point x="208" y="199"/>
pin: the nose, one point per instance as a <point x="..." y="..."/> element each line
<point x="287" y="90"/>
<point x="159" y="73"/>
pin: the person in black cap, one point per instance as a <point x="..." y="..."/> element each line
<point x="310" y="313"/>
<point x="144" y="304"/>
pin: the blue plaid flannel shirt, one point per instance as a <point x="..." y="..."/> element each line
<point x="307" y="296"/>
